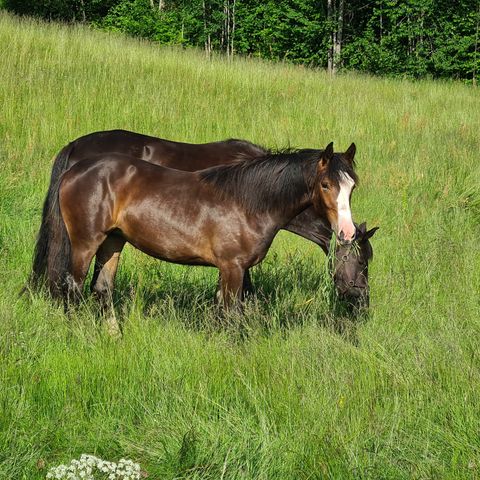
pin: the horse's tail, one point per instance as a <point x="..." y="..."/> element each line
<point x="51" y="258"/>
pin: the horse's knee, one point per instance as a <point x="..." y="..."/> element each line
<point x="99" y="291"/>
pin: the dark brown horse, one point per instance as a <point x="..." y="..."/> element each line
<point x="224" y="216"/>
<point x="350" y="271"/>
<point x="189" y="157"/>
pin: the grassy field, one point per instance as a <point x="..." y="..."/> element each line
<point x="280" y="393"/>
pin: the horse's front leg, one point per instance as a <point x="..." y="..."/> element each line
<point x="247" y="288"/>
<point x="231" y="285"/>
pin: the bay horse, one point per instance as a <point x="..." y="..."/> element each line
<point x="192" y="157"/>
<point x="225" y="216"/>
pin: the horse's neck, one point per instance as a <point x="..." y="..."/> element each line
<point x="252" y="187"/>
<point x="309" y="225"/>
<point x="285" y="216"/>
<point x="303" y="220"/>
<point x="304" y="201"/>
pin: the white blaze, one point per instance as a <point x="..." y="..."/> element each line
<point x="345" y="223"/>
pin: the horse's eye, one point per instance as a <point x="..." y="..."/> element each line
<point x="325" y="186"/>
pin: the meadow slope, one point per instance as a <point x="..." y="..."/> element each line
<point x="279" y="394"/>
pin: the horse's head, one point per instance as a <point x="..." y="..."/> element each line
<point x="334" y="183"/>
<point x="351" y="267"/>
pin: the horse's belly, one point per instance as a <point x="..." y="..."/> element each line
<point x="168" y="241"/>
<point x="194" y="235"/>
<point x="172" y="253"/>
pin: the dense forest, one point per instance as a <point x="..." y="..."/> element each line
<point x="414" y="38"/>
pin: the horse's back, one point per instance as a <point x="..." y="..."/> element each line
<point x="178" y="155"/>
<point x="109" y="141"/>
<point x="116" y="167"/>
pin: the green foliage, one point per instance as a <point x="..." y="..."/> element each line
<point x="67" y="10"/>
<point x="284" y="30"/>
<point x="415" y="38"/>
<point x="137" y="18"/>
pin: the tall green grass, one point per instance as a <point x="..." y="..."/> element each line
<point x="278" y="393"/>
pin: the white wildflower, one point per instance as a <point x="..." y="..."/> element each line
<point x="89" y="467"/>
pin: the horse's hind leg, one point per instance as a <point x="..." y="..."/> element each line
<point x="106" y="264"/>
<point x="247" y="284"/>
<point x="81" y="257"/>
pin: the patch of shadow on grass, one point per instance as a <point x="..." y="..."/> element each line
<point x="287" y="294"/>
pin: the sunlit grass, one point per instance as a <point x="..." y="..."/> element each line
<point x="293" y="389"/>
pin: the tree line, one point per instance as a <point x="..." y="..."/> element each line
<point x="413" y="38"/>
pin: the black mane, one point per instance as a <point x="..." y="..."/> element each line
<point x="274" y="180"/>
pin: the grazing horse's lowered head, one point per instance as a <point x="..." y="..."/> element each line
<point x="351" y="268"/>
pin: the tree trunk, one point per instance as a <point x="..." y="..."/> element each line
<point x="224" y="26"/>
<point x="475" y="52"/>
<point x="228" y="27"/>
<point x="205" y="31"/>
<point x="84" y="16"/>
<point x="227" y="36"/>
<point x="233" y="28"/>
<point x="338" y="38"/>
<point x="330" y="48"/>
<point x="381" y="23"/>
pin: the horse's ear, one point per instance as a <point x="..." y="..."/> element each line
<point x="350" y="153"/>
<point x="326" y="156"/>
<point x="362" y="228"/>
<point x="371" y="232"/>
<point x="328" y="153"/>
